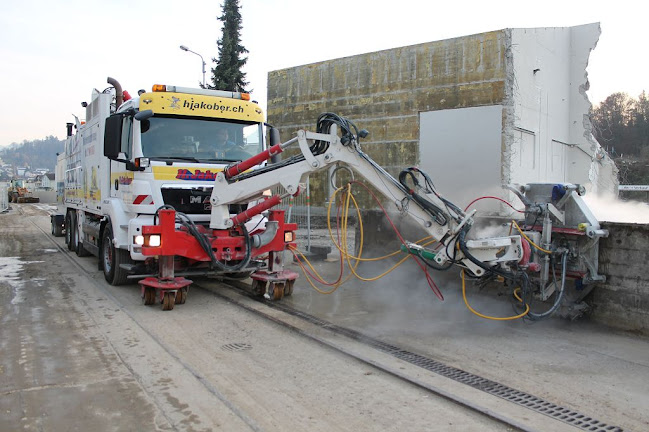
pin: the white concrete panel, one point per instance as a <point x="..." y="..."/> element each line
<point x="461" y="151"/>
<point x="549" y="82"/>
<point x="524" y="157"/>
<point x="557" y="160"/>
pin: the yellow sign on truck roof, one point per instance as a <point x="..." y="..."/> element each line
<point x="194" y="105"/>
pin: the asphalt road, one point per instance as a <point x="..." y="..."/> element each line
<point x="78" y="354"/>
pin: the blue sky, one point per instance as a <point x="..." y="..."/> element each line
<point x="54" y="53"/>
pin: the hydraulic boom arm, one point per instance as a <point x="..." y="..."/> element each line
<point x="445" y="222"/>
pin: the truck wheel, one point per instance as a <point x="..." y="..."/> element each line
<point x="258" y="288"/>
<point x="149" y="296"/>
<point x="181" y="295"/>
<point x="111" y="258"/>
<point x="57" y="229"/>
<point x="69" y="230"/>
<point x="168" y="300"/>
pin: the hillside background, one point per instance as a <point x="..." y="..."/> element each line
<point x="37" y="155"/>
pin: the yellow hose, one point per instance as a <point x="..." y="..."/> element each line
<point x="345" y="255"/>
<point x="343" y="246"/>
<point x="306" y="275"/>
<point x="361" y="231"/>
<point x="528" y="239"/>
<point x="466" y="302"/>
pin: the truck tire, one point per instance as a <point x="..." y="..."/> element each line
<point x="111" y="258"/>
<point x="57" y="229"/>
<point x="70" y="223"/>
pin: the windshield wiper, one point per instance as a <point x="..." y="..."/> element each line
<point x="183" y="158"/>
<point x="220" y="160"/>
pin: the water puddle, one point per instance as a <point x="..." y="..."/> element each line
<point x="11" y="269"/>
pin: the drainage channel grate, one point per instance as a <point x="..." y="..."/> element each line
<point x="518" y="397"/>
<point x="232" y="347"/>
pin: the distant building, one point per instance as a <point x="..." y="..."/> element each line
<point x="45" y="181"/>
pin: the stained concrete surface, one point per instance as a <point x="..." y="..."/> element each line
<point x="593" y="369"/>
<point x="54" y="360"/>
<point x="78" y="354"/>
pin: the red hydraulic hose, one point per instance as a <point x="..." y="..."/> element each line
<point x="429" y="279"/>
<point x="493" y="197"/>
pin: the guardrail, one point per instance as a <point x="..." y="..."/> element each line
<point x="640" y="188"/>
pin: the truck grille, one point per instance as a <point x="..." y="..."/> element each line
<point x="194" y="201"/>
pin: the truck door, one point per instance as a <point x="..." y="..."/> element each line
<point x="118" y="147"/>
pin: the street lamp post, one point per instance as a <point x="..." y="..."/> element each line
<point x="184" y="48"/>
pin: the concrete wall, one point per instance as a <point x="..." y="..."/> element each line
<point x="623" y="301"/>
<point x="538" y="76"/>
<point x="385" y="91"/>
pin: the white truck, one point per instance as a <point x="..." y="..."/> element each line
<point x="132" y="156"/>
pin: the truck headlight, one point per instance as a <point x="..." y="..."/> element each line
<point x="289" y="236"/>
<point x="154" y="240"/>
<point x="138" y="240"/>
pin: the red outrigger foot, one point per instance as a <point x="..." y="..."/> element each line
<point x="273" y="285"/>
<point x="169" y="291"/>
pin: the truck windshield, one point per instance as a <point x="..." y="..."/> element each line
<point x="199" y="139"/>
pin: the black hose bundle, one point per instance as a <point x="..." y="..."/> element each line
<point x="435" y="212"/>
<point x="349" y="131"/>
<point x="205" y="244"/>
<point x="562" y="290"/>
<point x="429" y="188"/>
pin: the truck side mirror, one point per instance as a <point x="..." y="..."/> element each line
<point x="113" y="136"/>
<point x="143" y="115"/>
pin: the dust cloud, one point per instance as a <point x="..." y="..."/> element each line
<point x="402" y="304"/>
<point x="608" y="208"/>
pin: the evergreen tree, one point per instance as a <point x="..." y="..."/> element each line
<point x="227" y="74"/>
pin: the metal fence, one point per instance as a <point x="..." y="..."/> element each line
<point x="298" y="210"/>
<point x="4" y="198"/>
<point x="312" y="236"/>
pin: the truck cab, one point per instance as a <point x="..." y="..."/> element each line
<point x="131" y="157"/>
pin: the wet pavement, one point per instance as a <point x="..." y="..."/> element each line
<point x="77" y="354"/>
